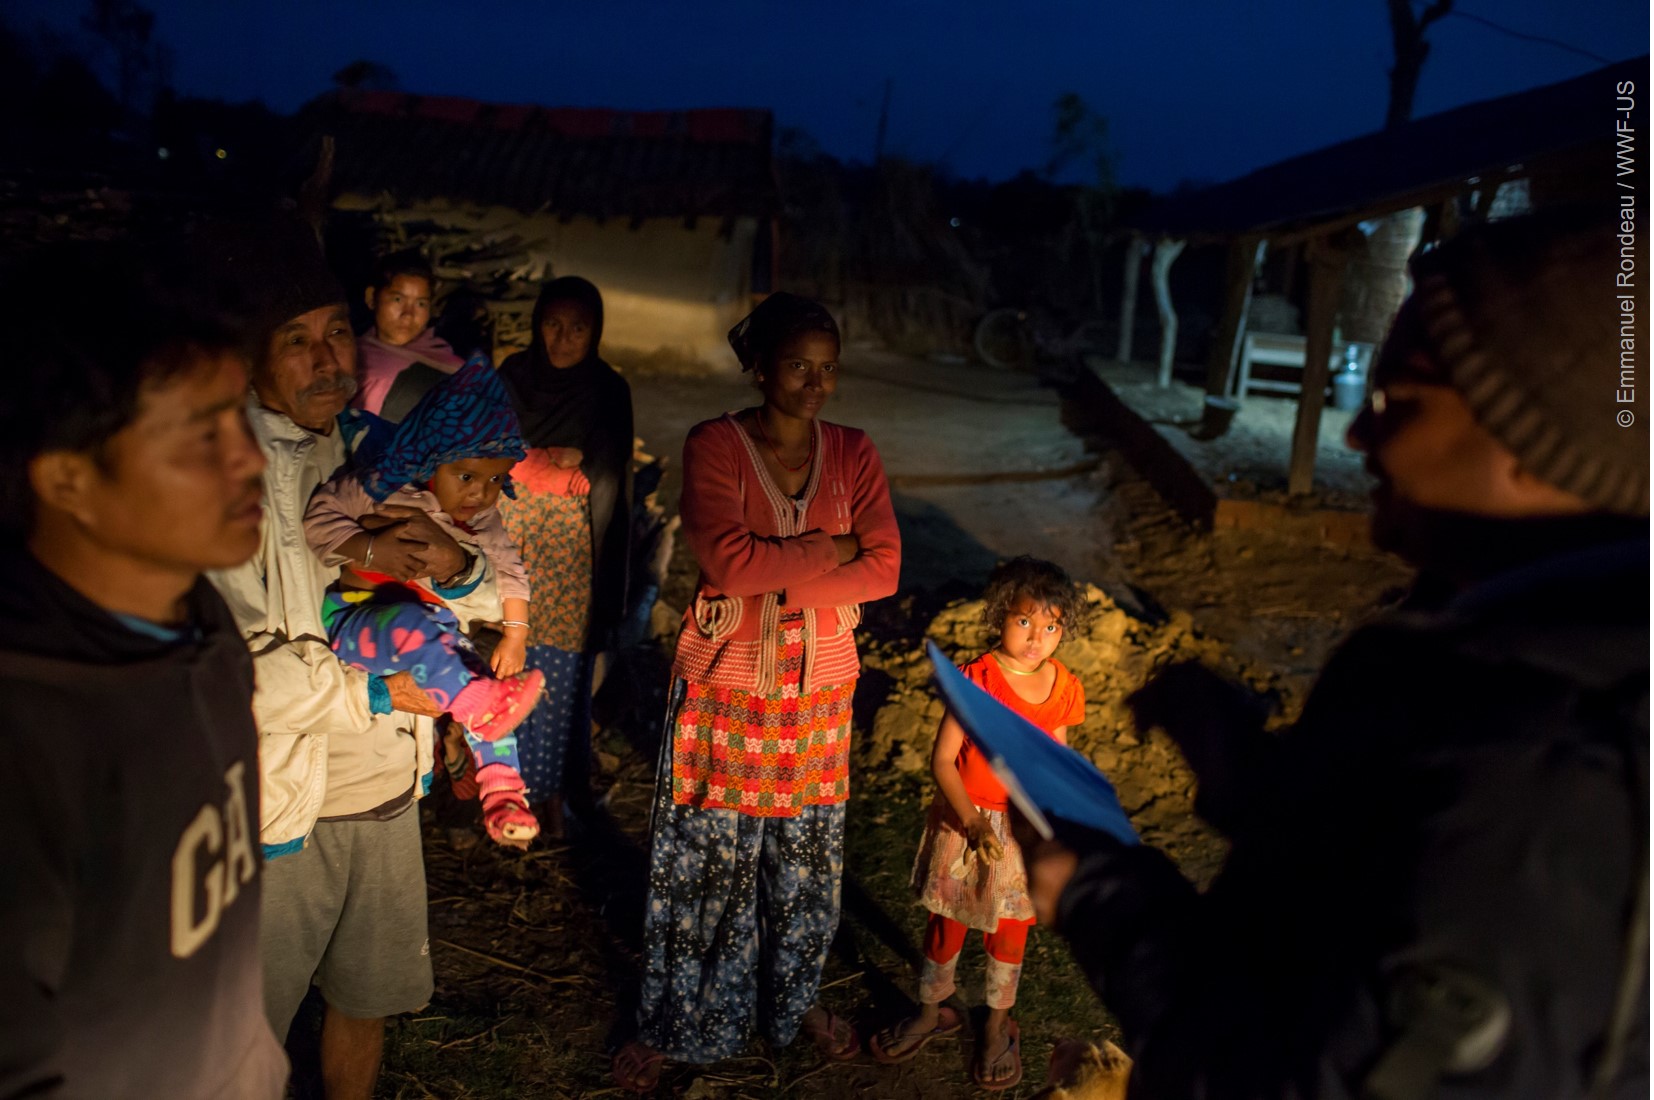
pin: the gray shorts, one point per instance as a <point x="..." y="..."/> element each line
<point x="348" y="910"/>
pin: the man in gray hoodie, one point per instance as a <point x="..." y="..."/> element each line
<point x="129" y="955"/>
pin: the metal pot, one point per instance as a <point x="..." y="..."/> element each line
<point x="1349" y="390"/>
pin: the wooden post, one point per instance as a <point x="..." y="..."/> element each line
<point x="1328" y="259"/>
<point x="1165" y="251"/>
<point x="1245" y="254"/>
<point x="1128" y="296"/>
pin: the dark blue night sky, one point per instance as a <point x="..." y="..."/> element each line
<point x="1197" y="90"/>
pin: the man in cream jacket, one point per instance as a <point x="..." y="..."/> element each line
<point x="343" y="755"/>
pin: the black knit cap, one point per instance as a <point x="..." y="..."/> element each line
<point x="760" y="334"/>
<point x="274" y="264"/>
<point x="1523" y="316"/>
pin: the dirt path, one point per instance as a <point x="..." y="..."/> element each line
<point x="976" y="459"/>
<point x="537" y="954"/>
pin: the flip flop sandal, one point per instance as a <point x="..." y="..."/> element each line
<point x="1013" y="1051"/>
<point x="948" y="1022"/>
<point x="825" y="1036"/>
<point x="636" y="1067"/>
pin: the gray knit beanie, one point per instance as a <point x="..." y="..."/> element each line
<point x="1523" y="316"/>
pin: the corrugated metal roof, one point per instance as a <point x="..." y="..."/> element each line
<point x="1385" y="168"/>
<point x="590" y="161"/>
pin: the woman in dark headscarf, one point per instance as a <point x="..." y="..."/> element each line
<point x="791" y="522"/>
<point x="571" y="520"/>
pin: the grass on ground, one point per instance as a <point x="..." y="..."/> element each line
<point x="536" y="958"/>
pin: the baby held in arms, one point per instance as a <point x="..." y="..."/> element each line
<point x="449" y="459"/>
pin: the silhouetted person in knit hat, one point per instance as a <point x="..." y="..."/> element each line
<point x="1438" y="881"/>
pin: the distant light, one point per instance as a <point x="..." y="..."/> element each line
<point x="220" y="153"/>
<point x="954" y="222"/>
<point x="163" y="152"/>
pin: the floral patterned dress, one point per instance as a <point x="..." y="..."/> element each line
<point x="550" y="522"/>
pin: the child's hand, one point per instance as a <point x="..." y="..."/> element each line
<point x="558" y="473"/>
<point x="566" y="458"/>
<point x="509" y="655"/>
<point x="980" y="836"/>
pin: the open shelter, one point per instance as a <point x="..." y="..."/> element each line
<point x="1555" y="143"/>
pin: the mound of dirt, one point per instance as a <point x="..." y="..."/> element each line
<point x="1113" y="656"/>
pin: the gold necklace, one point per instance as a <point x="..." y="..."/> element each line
<point x="1003" y="667"/>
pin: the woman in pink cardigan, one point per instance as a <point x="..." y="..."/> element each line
<point x="790" y="519"/>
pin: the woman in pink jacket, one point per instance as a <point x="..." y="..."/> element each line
<point x="401" y="355"/>
<point x="791" y="521"/>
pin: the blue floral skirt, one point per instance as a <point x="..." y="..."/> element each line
<point x="740" y="915"/>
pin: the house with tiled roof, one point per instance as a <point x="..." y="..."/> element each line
<point x="671" y="213"/>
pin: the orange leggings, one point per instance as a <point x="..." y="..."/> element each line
<point x="945" y="938"/>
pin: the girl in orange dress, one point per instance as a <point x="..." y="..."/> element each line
<point x="969" y="870"/>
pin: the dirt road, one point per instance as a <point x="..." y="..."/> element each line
<point x="982" y="468"/>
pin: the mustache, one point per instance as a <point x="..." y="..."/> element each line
<point x="341" y="385"/>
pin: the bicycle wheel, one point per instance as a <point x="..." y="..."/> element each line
<point x="1001" y="339"/>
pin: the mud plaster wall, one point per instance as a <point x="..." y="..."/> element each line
<point x="671" y="288"/>
<point x="666" y="288"/>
